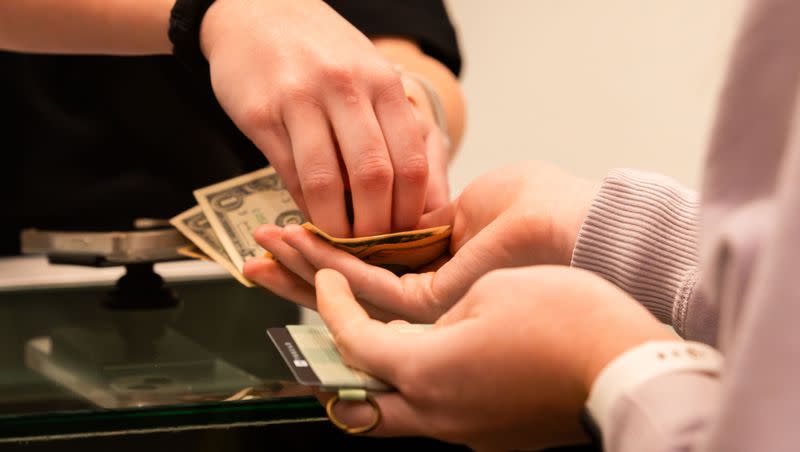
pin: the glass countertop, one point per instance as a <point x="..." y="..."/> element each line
<point x="77" y="359"/>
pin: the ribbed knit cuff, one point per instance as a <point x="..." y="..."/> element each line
<point x="641" y="234"/>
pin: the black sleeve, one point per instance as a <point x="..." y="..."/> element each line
<point x="424" y="21"/>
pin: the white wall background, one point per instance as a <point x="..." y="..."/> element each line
<point x="591" y="84"/>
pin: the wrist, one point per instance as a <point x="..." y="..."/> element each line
<point x="571" y="214"/>
<point x="611" y="349"/>
<point x="615" y="326"/>
<point x="210" y="26"/>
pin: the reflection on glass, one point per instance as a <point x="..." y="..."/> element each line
<point x="72" y="350"/>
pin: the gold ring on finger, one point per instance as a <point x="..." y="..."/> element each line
<point x="347" y="428"/>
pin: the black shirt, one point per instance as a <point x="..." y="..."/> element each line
<point x="92" y="142"/>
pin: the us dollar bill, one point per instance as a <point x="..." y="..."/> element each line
<point x="195" y="226"/>
<point x="399" y="252"/>
<point x="236" y="207"/>
<point x="222" y="225"/>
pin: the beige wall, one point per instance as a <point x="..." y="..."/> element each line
<point x="591" y="84"/>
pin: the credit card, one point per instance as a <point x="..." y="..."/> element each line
<point x="311" y="355"/>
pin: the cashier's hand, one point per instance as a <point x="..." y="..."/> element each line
<point x="522" y="215"/>
<point x="325" y="107"/>
<point x="507" y="368"/>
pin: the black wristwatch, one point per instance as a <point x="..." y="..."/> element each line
<point x="184" y="33"/>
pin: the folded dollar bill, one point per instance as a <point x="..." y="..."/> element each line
<point x="400" y="252"/>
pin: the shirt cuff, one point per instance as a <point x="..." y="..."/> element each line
<point x="644" y="363"/>
<point x="641" y="234"/>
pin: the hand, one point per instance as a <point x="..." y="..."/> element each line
<point x="325" y="107"/>
<point x="509" y="367"/>
<point x="517" y="216"/>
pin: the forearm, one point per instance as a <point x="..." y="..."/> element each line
<point x="139" y="27"/>
<point x="106" y="27"/>
<point x="407" y="54"/>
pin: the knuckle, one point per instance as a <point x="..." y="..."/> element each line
<point x="414" y="170"/>
<point x="389" y="87"/>
<point x="340" y="77"/>
<point x="261" y="116"/>
<point x="299" y="94"/>
<point x="409" y="380"/>
<point x="320" y="180"/>
<point x="532" y="223"/>
<point x="373" y="174"/>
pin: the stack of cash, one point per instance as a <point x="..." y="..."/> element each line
<point x="221" y="227"/>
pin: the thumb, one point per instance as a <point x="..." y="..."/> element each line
<point x="484" y="252"/>
<point x="366" y="344"/>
